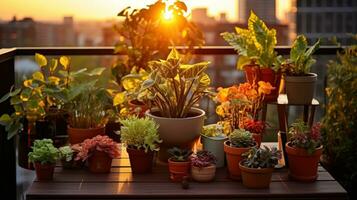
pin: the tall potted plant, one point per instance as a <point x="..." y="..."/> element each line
<point x="179" y="163"/>
<point x="258" y="166"/>
<point x="239" y="142"/>
<point x="299" y="81"/>
<point x="304" y="150"/>
<point x="175" y="88"/>
<point x="141" y="138"/>
<point x="257" y="57"/>
<point x="203" y="166"/>
<point x="212" y="139"/>
<point x="44" y="156"/>
<point x="99" y="151"/>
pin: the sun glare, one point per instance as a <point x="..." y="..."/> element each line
<point x="168" y="15"/>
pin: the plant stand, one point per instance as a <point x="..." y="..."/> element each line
<point x="308" y="117"/>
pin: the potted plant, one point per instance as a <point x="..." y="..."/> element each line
<point x="304" y="150"/>
<point x="68" y="155"/>
<point x="141" y="138"/>
<point x="175" y="88"/>
<point x="256" y="127"/>
<point x="257" y="57"/>
<point x="258" y="166"/>
<point x="239" y="142"/>
<point x="99" y="151"/>
<point x="212" y="139"/>
<point x="179" y="163"/>
<point x="203" y="166"/>
<point x="299" y="81"/>
<point x="44" y="156"/>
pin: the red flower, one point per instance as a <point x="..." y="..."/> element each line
<point x="254" y="126"/>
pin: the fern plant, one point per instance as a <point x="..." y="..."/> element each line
<point x="241" y="138"/>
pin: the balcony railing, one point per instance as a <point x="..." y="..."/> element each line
<point x="7" y="79"/>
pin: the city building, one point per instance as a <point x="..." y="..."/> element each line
<point x="265" y="9"/>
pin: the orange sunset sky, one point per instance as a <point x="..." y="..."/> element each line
<point x="52" y="10"/>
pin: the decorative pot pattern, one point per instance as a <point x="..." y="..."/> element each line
<point x="215" y="146"/>
<point x="140" y="161"/>
<point x="234" y="156"/>
<point x="256" y="178"/>
<point x="178" y="170"/>
<point x="78" y="135"/>
<point x="300" y="89"/>
<point x="205" y="174"/>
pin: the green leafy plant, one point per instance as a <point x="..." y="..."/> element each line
<point x="339" y="124"/>
<point x="140" y="133"/>
<point x="213" y="130"/>
<point x="300" y="61"/>
<point x="44" y="152"/>
<point x="261" y="157"/>
<point x="145" y="34"/>
<point x="255" y="44"/>
<point x="66" y="153"/>
<point x="241" y="138"/>
<point x="175" y="87"/>
<point x="302" y="136"/>
<point x="179" y="155"/>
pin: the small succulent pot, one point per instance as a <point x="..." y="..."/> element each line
<point x="215" y="146"/>
<point x="256" y="178"/>
<point x="204" y="174"/>
<point x="303" y="166"/>
<point x="44" y="172"/>
<point x="234" y="156"/>
<point x="99" y="162"/>
<point x="78" y="135"/>
<point x="258" y="138"/>
<point x="140" y="161"/>
<point x="178" y="170"/>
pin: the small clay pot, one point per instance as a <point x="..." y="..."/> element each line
<point x="99" y="162"/>
<point x="140" y="161"/>
<point x="234" y="156"/>
<point x="78" y="135"/>
<point x="256" y="178"/>
<point x="44" y="172"/>
<point x="303" y="166"/>
<point x="179" y="170"/>
<point x="204" y="174"/>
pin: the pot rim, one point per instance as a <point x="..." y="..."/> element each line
<point x="199" y="111"/>
<point x="290" y="149"/>
<point x="178" y="163"/>
<point x="238" y="147"/>
<point x="305" y="78"/>
<point x="207" y="167"/>
<point x="255" y="170"/>
<point x="215" y="138"/>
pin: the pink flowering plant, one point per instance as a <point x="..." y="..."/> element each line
<point x="203" y="159"/>
<point x="302" y="136"/>
<point x="97" y="143"/>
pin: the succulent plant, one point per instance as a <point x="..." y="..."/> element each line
<point x="241" y="138"/>
<point x="301" y="136"/>
<point x="261" y="157"/>
<point x="66" y="153"/>
<point x="179" y="155"/>
<point x="44" y="152"/>
<point x="203" y="159"/>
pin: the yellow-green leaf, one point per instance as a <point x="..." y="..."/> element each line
<point x="65" y="61"/>
<point x="38" y="76"/>
<point x="53" y="66"/>
<point x="40" y="59"/>
<point x="28" y="83"/>
<point x="54" y="80"/>
<point x="242" y="60"/>
<point x="119" y="99"/>
<point x="174" y="54"/>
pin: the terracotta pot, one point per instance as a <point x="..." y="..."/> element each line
<point x="140" y="161"/>
<point x="234" y="156"/>
<point x="256" y="177"/>
<point x="179" y="132"/>
<point x="137" y="107"/>
<point x="300" y="89"/>
<point x="99" y="162"/>
<point x="258" y="138"/>
<point x="254" y="73"/>
<point x="215" y="146"/>
<point x="78" y="135"/>
<point x="204" y="174"/>
<point x="178" y="170"/>
<point x="44" y="172"/>
<point x="303" y="166"/>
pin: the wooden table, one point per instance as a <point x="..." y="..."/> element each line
<point x="122" y="184"/>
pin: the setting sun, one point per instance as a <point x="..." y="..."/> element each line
<point x="168" y="15"/>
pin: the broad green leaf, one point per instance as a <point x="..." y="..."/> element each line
<point x="174" y="55"/>
<point x="25" y="94"/>
<point x="147" y="84"/>
<point x="5" y="119"/>
<point x="131" y="81"/>
<point x="312" y="49"/>
<point x="205" y="80"/>
<point x="15" y="100"/>
<point x="119" y="99"/>
<point x="40" y="60"/>
<point x="65" y="62"/>
<point x="14" y="129"/>
<point x="5" y="97"/>
<point x="38" y="76"/>
<point x="97" y="71"/>
<point x="298" y="48"/>
<point x="191" y="71"/>
<point x="53" y="66"/>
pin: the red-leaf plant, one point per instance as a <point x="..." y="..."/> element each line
<point x="99" y="143"/>
<point x="203" y="159"/>
<point x="254" y="126"/>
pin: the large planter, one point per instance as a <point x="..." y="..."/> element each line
<point x="303" y="166"/>
<point x="178" y="170"/>
<point x="300" y="89"/>
<point x="204" y="174"/>
<point x="140" y="161"/>
<point x="254" y="73"/>
<point x="99" y="162"/>
<point x="215" y="146"/>
<point x="234" y="156"/>
<point x="78" y="135"/>
<point x="178" y="132"/>
<point x="256" y="177"/>
<point x="44" y="172"/>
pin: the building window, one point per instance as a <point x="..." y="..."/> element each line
<point x="339" y="23"/>
<point x="329" y="22"/>
<point x="308" y="22"/>
<point x="319" y="22"/>
<point x="299" y="23"/>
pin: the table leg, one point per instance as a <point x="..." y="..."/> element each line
<point x="312" y="115"/>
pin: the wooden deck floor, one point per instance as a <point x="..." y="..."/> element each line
<point x="122" y="184"/>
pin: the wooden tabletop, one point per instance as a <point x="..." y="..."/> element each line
<point x="122" y="184"/>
